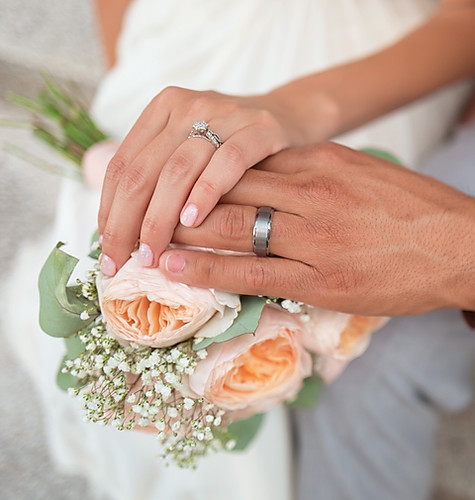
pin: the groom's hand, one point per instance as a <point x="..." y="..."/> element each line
<point x="350" y="232"/>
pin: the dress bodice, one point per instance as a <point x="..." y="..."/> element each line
<point x="252" y="46"/>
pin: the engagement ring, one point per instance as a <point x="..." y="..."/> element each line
<point x="202" y="131"/>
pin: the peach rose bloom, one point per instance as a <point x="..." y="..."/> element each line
<point x="254" y="372"/>
<point x="95" y="160"/>
<point x="338" y="335"/>
<point x="140" y="305"/>
<point x="329" y="368"/>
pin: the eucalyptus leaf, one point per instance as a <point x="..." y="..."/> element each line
<point x="380" y="153"/>
<point x="244" y="431"/>
<point x="94" y="254"/>
<point x="308" y="395"/>
<point x="66" y="381"/>
<point x="74" y="347"/>
<point x="62" y="305"/>
<point x="246" y="321"/>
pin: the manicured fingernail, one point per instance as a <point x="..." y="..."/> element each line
<point x="108" y="266"/>
<point x="145" y="255"/>
<point x="100" y="239"/>
<point x="175" y="263"/>
<point x="189" y="215"/>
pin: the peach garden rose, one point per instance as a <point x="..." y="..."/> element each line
<point x="140" y="305"/>
<point x="340" y="336"/>
<point x="254" y="372"/>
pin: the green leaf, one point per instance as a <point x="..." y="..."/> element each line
<point x="380" y="153"/>
<point x="308" y="395"/>
<point x="94" y="254"/>
<point x="66" y="381"/>
<point x="76" y="135"/>
<point x="61" y="305"/>
<point x="74" y="347"/>
<point x="25" y="103"/>
<point x="245" y="322"/>
<point x="244" y="431"/>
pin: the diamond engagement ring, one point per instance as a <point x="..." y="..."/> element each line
<point x="202" y="131"/>
<point x="261" y="231"/>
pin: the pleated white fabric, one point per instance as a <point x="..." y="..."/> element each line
<point x="241" y="47"/>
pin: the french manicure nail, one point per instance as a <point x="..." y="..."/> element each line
<point x="175" y="263"/>
<point x="145" y="255"/>
<point x="189" y="215"/>
<point x="108" y="266"/>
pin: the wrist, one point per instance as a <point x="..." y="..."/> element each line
<point x="311" y="116"/>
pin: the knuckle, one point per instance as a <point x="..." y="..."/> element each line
<point x="116" y="168"/>
<point x="111" y="239"/>
<point x="232" y="224"/>
<point x="176" y="168"/>
<point x="330" y="231"/>
<point x="232" y="154"/>
<point x="150" y="227"/>
<point x="320" y="188"/>
<point x="133" y="182"/>
<point x="168" y="95"/>
<point x="208" y="189"/>
<point x="326" y="154"/>
<point x="200" y="103"/>
<point x="257" y="278"/>
<point x="267" y="119"/>
<point x="207" y="269"/>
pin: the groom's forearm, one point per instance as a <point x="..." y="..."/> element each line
<point x="437" y="53"/>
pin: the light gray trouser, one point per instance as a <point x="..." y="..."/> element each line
<point x="371" y="436"/>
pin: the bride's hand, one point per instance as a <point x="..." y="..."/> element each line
<point x="350" y="232"/>
<point x="158" y="177"/>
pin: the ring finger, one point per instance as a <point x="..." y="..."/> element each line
<point x="174" y="184"/>
<point x="230" y="227"/>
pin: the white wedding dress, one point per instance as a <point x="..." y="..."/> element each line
<point x="234" y="47"/>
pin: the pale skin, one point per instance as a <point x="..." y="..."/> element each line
<point x="350" y="232"/>
<point x="158" y="177"/>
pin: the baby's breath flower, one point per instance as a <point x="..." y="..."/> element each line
<point x="230" y="444"/>
<point x="172" y="412"/>
<point x="305" y="318"/>
<point x="291" y="306"/>
<point x="133" y="385"/>
<point x="202" y="353"/>
<point x="160" y="424"/>
<point x="188" y="403"/>
<point x="171" y="378"/>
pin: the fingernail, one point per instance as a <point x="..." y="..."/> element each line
<point x="145" y="255"/>
<point x="188" y="215"/>
<point x="174" y="263"/>
<point x="108" y="266"/>
<point x="100" y="239"/>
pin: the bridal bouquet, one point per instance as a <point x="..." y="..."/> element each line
<point x="197" y="367"/>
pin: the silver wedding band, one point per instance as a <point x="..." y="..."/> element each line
<point x="201" y="130"/>
<point x="261" y="231"/>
